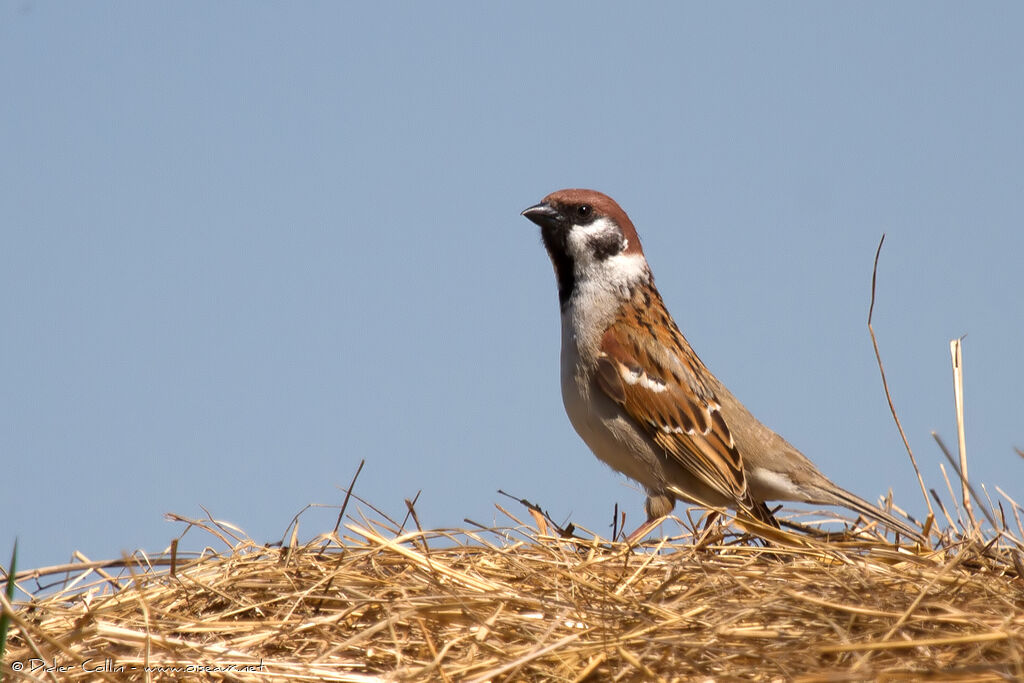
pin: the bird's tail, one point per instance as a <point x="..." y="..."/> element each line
<point x="853" y="502"/>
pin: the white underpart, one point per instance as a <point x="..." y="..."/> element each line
<point x="777" y="484"/>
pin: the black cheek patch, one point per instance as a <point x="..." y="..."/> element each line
<point x="607" y="245"/>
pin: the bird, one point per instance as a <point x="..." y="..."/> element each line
<point x="639" y="396"/>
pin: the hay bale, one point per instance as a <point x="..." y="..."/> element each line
<point x="516" y="603"/>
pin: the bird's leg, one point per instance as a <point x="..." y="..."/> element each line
<point x="644" y="529"/>
<point x="658" y="506"/>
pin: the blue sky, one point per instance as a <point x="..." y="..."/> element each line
<point x="246" y="245"/>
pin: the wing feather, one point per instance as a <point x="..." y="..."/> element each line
<point x="658" y="383"/>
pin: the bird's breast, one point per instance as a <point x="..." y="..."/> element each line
<point x="608" y="432"/>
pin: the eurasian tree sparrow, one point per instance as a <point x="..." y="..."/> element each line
<point x="639" y="396"/>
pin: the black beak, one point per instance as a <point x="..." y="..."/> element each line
<point x="544" y="215"/>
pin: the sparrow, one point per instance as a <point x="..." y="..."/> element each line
<point x="640" y="397"/>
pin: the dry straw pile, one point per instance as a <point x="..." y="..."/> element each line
<point x="379" y="602"/>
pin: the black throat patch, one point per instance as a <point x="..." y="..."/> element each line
<point x="556" y="242"/>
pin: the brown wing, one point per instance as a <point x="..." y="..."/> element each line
<point x="651" y="371"/>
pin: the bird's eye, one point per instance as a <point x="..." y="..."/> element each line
<point x="583" y="210"/>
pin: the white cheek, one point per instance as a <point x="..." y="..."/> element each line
<point x="582" y="236"/>
<point x="597" y="227"/>
<point x="625" y="268"/>
<point x="621" y="267"/>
